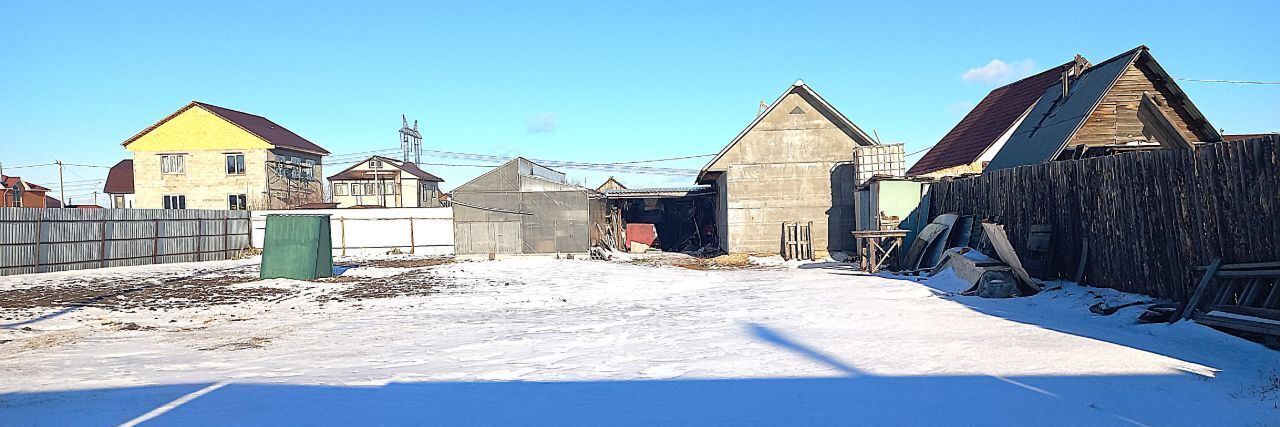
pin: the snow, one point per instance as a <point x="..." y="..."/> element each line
<point x="578" y="342"/>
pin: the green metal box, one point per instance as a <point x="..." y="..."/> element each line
<point x="297" y="247"/>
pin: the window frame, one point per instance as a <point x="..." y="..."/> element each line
<point x="235" y="164"/>
<point x="340" y="189"/>
<point x="174" y="201"/>
<point x="180" y="163"/>
<point x="237" y="202"/>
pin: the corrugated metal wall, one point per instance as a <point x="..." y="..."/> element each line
<point x="73" y="239"/>
<point x="508" y="211"/>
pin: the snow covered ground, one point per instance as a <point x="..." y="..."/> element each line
<point x="574" y="342"/>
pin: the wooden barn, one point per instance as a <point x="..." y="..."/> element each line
<point x="1126" y="103"/>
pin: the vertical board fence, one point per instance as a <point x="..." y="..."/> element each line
<point x="363" y="232"/>
<point x="34" y="240"/>
<point x="1149" y="218"/>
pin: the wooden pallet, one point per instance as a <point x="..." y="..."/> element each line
<point x="1244" y="297"/>
<point x="797" y="240"/>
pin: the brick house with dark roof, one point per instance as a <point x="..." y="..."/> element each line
<point x="16" y="193"/>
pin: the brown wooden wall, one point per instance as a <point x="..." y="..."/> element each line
<point x="1115" y="121"/>
<point x="1149" y="217"/>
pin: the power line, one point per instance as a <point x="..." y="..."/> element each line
<point x="661" y="160"/>
<point x="921" y="151"/>
<point x="30" y="166"/>
<point x="1243" y="82"/>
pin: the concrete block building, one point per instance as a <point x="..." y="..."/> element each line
<point x="792" y="163"/>
<point x="208" y="157"/>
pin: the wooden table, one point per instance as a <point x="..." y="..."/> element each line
<point x="875" y="247"/>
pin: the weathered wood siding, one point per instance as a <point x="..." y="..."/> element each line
<point x="1149" y="217"/>
<point x="1115" y="121"/>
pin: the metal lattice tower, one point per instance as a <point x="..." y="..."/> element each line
<point x="410" y="141"/>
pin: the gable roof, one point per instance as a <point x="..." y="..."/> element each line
<point x="120" y="178"/>
<point x="989" y="120"/>
<point x="19" y="183"/>
<point x="407" y="167"/>
<point x="802" y="89"/>
<point x="259" y="126"/>
<point x="615" y="182"/>
<point x="1055" y="119"/>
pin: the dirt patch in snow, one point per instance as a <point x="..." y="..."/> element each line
<point x="722" y="262"/>
<point x="416" y="283"/>
<point x="240" y="344"/>
<point x="150" y="293"/>
<point x="401" y="262"/>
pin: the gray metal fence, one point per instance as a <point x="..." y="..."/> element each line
<point x="40" y="240"/>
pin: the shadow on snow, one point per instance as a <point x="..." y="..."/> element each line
<point x="856" y="398"/>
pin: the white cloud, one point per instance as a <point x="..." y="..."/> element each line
<point x="999" y="72"/>
<point x="540" y="123"/>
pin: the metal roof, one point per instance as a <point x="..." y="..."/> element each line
<point x="120" y="178"/>
<point x="988" y="120"/>
<point x="1054" y="119"/>
<point x="638" y="193"/>
<point x="259" y="126"/>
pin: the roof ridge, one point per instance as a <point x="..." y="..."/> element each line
<point x="1141" y="47"/>
<point x="206" y="104"/>
<point x="1054" y="68"/>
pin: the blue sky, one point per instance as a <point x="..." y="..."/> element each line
<point x="581" y="81"/>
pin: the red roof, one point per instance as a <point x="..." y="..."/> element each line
<point x="13" y="181"/>
<point x="988" y="120"/>
<point x="261" y="126"/>
<point x="120" y="178"/>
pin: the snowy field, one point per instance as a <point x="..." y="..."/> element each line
<point x="538" y="341"/>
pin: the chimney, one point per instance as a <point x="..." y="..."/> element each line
<point x="1066" y="83"/>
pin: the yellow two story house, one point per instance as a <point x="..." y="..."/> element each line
<point x="208" y="157"/>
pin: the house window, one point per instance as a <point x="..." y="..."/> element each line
<point x="172" y="163"/>
<point x="388" y="188"/>
<point x="309" y="171"/>
<point x="237" y="202"/>
<point x="375" y="164"/>
<point x="357" y="190"/>
<point x="340" y="189"/>
<point x="370" y="190"/>
<point x="175" y="202"/>
<point x="119" y="203"/>
<point x="235" y="164"/>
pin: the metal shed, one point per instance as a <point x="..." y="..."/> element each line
<point x="522" y="207"/>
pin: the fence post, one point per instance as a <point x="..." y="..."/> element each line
<point x="155" y="240"/>
<point x="200" y="239"/>
<point x="39" y="237"/>
<point x="342" y="227"/>
<point x="227" y="232"/>
<point x="102" y="249"/>
<point x="412" y="246"/>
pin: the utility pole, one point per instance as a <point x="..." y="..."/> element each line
<point x="62" y="189"/>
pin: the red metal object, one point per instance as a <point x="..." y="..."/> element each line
<point x="643" y="233"/>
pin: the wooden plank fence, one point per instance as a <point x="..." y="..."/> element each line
<point x="1149" y="217"/>
<point x="36" y="240"/>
